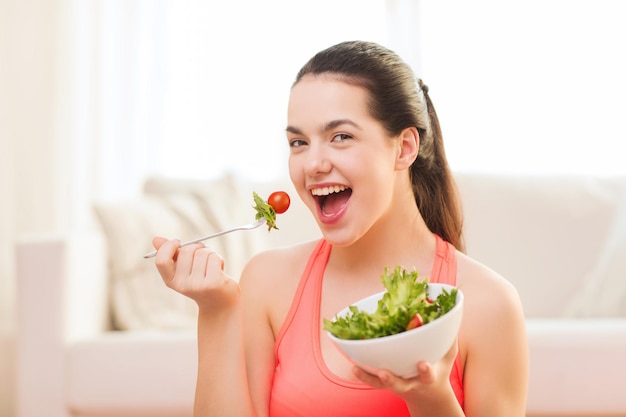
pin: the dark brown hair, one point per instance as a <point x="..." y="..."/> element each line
<point x="398" y="100"/>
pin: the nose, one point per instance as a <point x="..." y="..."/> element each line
<point x="317" y="161"/>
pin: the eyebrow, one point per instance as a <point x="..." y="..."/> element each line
<point x="328" y="126"/>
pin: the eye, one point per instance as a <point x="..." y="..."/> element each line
<point x="341" y="137"/>
<point x="296" y="143"/>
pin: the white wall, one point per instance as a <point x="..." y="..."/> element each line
<point x="31" y="150"/>
<point x="532" y="86"/>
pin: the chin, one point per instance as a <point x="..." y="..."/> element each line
<point x="339" y="237"/>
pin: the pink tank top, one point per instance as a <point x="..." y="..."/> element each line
<point x="303" y="385"/>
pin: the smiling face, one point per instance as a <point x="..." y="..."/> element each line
<point x="342" y="163"/>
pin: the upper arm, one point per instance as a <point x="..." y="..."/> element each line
<point x="268" y="284"/>
<point x="496" y="371"/>
<point x="258" y="334"/>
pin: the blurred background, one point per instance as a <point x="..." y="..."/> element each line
<point x="97" y="95"/>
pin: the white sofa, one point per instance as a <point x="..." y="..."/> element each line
<point x="560" y="240"/>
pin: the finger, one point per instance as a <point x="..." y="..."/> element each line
<point x="165" y="258"/>
<point x="383" y="379"/>
<point x="185" y="259"/>
<point x="391" y="381"/>
<point x="200" y="259"/>
<point x="215" y="261"/>
<point x="368" y="378"/>
<point x="425" y="372"/>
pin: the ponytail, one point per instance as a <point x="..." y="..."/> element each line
<point x="434" y="186"/>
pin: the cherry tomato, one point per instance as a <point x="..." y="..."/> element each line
<point x="415" y="322"/>
<point x="280" y="201"/>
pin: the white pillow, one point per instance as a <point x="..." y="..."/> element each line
<point x="139" y="299"/>
<point x="560" y="240"/>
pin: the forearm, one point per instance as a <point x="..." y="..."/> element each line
<point x="222" y="384"/>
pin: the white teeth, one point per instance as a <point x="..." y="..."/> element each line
<point x="328" y="190"/>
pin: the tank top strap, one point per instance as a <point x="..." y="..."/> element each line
<point x="444" y="266"/>
<point x="308" y="287"/>
<point x="444" y="272"/>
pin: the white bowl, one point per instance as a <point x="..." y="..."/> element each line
<point x="400" y="353"/>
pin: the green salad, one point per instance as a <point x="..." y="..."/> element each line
<point x="404" y="306"/>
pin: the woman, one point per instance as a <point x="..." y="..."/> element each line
<point x="367" y="158"/>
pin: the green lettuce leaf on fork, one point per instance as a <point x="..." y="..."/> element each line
<point x="264" y="210"/>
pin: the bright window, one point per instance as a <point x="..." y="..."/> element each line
<point x="528" y="86"/>
<point x="230" y="68"/>
<point x="193" y="88"/>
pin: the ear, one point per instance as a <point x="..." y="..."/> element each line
<point x="408" y="147"/>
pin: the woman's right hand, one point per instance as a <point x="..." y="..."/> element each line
<point x="196" y="272"/>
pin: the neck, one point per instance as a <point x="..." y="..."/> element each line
<point x="400" y="238"/>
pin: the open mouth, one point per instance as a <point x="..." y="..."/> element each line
<point x="332" y="199"/>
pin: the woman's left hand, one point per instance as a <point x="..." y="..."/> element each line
<point x="426" y="391"/>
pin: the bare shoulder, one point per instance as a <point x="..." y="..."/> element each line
<point x="492" y="307"/>
<point x="485" y="288"/>
<point x="270" y="280"/>
<point x="272" y="267"/>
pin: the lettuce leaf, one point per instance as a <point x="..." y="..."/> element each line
<point x="404" y="297"/>
<point x="264" y="210"/>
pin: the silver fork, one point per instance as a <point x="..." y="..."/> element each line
<point x="248" y="226"/>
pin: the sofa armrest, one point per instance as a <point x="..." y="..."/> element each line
<point x="577" y="366"/>
<point x="60" y="286"/>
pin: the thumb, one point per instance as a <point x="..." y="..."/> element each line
<point x="158" y="241"/>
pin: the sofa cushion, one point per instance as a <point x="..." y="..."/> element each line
<point x="139" y="299"/>
<point x="560" y="240"/>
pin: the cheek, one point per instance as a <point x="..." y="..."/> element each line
<point x="295" y="173"/>
<point x="379" y="175"/>
<point x="375" y="165"/>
